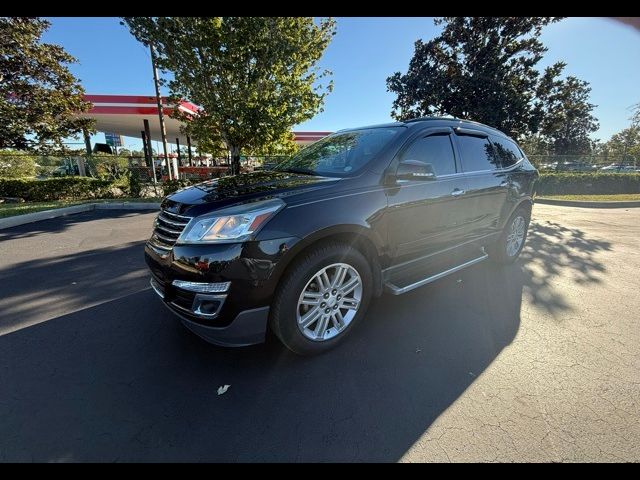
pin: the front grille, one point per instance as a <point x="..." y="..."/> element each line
<point x="167" y="228"/>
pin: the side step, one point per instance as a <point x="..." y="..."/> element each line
<point x="412" y="277"/>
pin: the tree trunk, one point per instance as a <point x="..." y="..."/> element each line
<point x="235" y="160"/>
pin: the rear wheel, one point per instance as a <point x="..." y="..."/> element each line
<point x="320" y="299"/>
<point x="508" y="247"/>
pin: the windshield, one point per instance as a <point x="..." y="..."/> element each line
<point x="340" y="154"/>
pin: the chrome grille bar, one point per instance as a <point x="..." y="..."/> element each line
<point x="167" y="228"/>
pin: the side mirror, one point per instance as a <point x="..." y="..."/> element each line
<point x="415" y="170"/>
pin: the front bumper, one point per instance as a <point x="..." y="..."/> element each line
<point x="247" y="328"/>
<point x="236" y="315"/>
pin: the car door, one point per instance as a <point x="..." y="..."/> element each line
<point x="487" y="184"/>
<point x="423" y="213"/>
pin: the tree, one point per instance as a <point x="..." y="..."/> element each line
<point x="253" y="77"/>
<point x="625" y="144"/>
<point x="635" y="117"/>
<point x="284" y="146"/>
<point x="478" y="68"/>
<point x="16" y="164"/>
<point x="39" y="97"/>
<point x="535" y="145"/>
<point x="566" y="118"/>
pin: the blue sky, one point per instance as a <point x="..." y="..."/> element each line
<point x="364" y="52"/>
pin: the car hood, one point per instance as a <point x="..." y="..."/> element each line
<point x="246" y="187"/>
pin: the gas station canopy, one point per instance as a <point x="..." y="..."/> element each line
<point x="124" y="115"/>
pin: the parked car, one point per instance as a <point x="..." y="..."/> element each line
<point x="619" y="168"/>
<point x="303" y="248"/>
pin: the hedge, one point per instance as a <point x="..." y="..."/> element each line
<point x="566" y="183"/>
<point x="64" y="188"/>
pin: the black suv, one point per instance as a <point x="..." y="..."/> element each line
<point x="303" y="247"/>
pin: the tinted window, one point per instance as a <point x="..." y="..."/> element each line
<point x="436" y="150"/>
<point x="341" y="153"/>
<point x="506" y="150"/>
<point x="477" y="154"/>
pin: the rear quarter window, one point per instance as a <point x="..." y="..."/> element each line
<point x="507" y="151"/>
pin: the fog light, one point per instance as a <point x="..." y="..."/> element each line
<point x="207" y="306"/>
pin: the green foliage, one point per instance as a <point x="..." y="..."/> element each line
<point x="478" y="68"/>
<point x="107" y="167"/>
<point x="253" y="77"/>
<point x="635" y="116"/>
<point x="587" y="183"/>
<point x="625" y="143"/>
<point x="39" y="97"/>
<point x="566" y="118"/>
<point x="282" y="147"/>
<point x="16" y="165"/>
<point x="65" y="188"/>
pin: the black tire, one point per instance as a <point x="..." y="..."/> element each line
<point x="498" y="251"/>
<point x="283" y="315"/>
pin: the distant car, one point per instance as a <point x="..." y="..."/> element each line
<point x="66" y="170"/>
<point x="619" y="168"/>
<point x="302" y="248"/>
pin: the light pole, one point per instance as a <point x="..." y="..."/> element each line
<point x="163" y="130"/>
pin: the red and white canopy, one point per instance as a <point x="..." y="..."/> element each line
<point x="124" y="115"/>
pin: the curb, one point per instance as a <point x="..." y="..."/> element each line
<point x="61" y="212"/>
<point x="588" y="204"/>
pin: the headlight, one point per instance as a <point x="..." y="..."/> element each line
<point x="230" y="224"/>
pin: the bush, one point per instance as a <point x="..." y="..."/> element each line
<point x="65" y="188"/>
<point x="16" y="165"/>
<point x="107" y="167"/>
<point x="587" y="183"/>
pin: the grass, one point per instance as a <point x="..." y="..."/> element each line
<point x="13" y="209"/>
<point x="618" y="197"/>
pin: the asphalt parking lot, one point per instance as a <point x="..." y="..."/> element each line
<point x="539" y="361"/>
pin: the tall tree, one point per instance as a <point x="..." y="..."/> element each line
<point x="39" y="97"/>
<point x="635" y="116"/>
<point x="478" y="68"/>
<point x="253" y="77"/>
<point x="624" y="144"/>
<point x="566" y="114"/>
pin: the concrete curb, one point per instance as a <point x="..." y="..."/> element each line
<point x="61" y="212"/>
<point x="588" y="204"/>
<point x="127" y="206"/>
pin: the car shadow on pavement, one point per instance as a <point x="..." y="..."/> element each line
<point x="124" y="381"/>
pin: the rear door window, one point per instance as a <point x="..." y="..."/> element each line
<point x="477" y="154"/>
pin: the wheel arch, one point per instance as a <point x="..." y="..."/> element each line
<point x="526" y="202"/>
<point x="357" y="236"/>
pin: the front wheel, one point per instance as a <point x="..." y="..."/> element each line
<point x="508" y="247"/>
<point x="320" y="299"/>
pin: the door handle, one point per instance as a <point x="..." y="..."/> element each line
<point x="457" y="192"/>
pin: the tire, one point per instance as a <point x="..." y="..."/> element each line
<point x="502" y="251"/>
<point x="290" y="311"/>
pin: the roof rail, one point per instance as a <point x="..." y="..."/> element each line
<point x="433" y="117"/>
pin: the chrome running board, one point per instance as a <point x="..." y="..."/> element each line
<point x="396" y="290"/>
